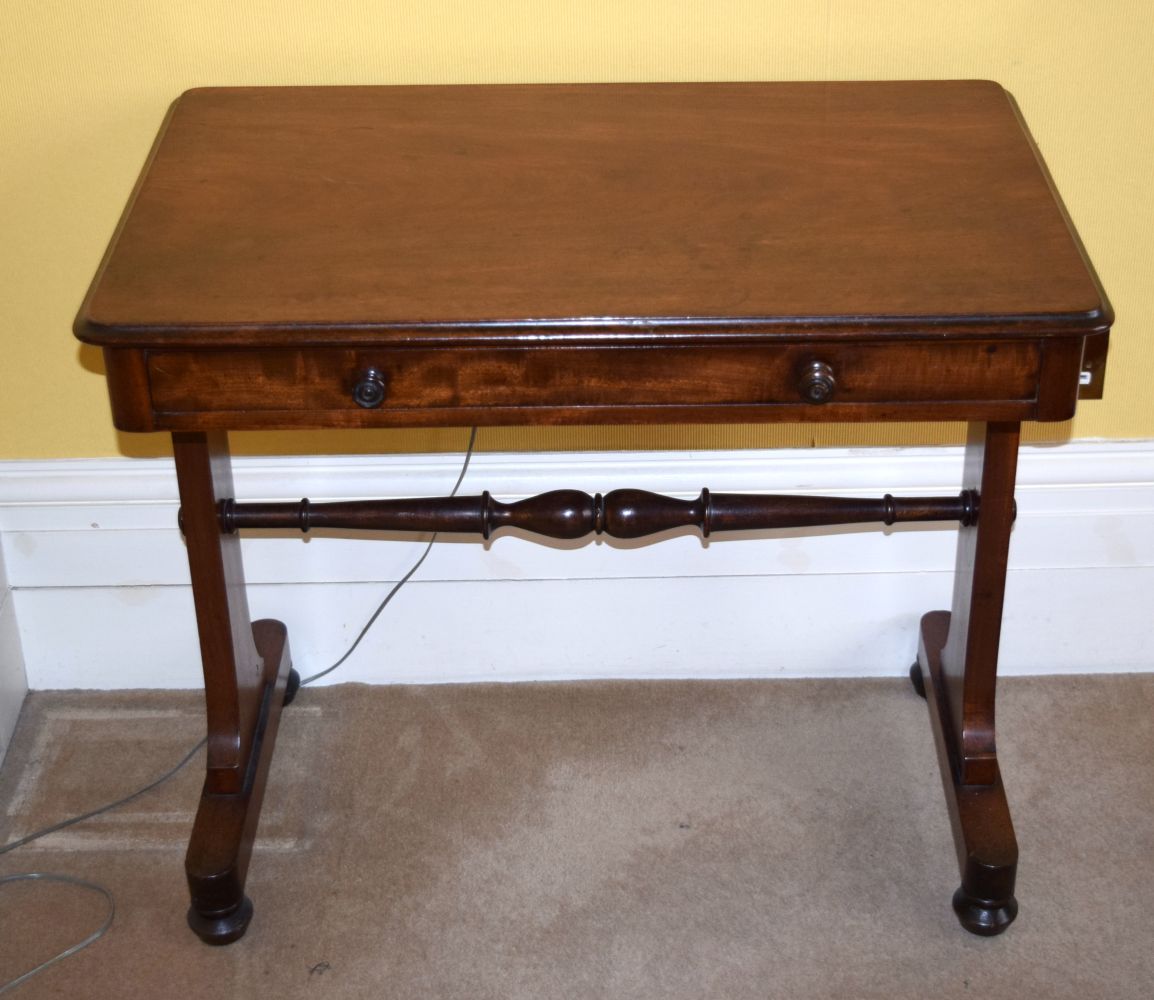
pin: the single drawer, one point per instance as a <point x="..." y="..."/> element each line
<point x="812" y="375"/>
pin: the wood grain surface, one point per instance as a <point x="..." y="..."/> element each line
<point x="438" y="215"/>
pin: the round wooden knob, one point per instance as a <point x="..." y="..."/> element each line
<point x="369" y="391"/>
<point x="818" y="383"/>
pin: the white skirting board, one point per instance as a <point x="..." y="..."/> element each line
<point x="100" y="597"/>
<point x="13" y="681"/>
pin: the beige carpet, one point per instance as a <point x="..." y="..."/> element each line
<point x="611" y="840"/>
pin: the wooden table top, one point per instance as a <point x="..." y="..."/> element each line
<point x="504" y="214"/>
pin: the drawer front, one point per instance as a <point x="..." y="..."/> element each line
<point x="811" y="375"/>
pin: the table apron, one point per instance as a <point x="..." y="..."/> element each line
<point x="157" y="389"/>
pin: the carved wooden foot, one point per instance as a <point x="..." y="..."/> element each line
<point x="222" y="836"/>
<point x="916" y="679"/>
<point x="292" y="686"/>
<point x="986" y="917"/>
<point x="224" y="928"/>
<point x="979" y="814"/>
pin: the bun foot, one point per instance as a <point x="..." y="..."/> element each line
<point x="984" y="916"/>
<point x="222" y="929"/>
<point x="917" y="680"/>
<point x="293" y="685"/>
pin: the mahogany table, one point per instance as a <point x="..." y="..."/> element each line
<point x="446" y="256"/>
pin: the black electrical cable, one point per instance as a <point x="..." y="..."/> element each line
<point x="73" y="820"/>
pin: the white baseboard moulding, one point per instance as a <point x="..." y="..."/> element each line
<point x="13" y="679"/>
<point x="100" y="597"/>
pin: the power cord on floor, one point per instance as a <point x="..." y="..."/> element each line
<point x="73" y="820"/>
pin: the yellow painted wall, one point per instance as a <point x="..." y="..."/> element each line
<point x="83" y="87"/>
